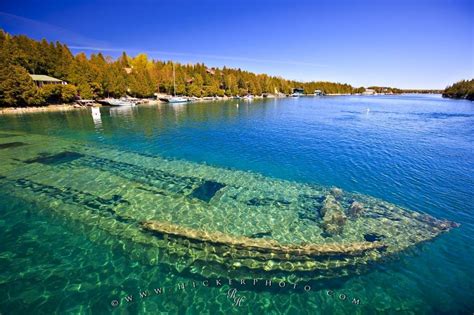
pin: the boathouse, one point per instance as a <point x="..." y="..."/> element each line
<point x="298" y="91"/>
<point x="369" y="92"/>
<point x="41" y="79"/>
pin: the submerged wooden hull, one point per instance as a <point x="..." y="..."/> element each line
<point x="206" y="220"/>
<point x="260" y="245"/>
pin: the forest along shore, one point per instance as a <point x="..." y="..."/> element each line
<point x="34" y="73"/>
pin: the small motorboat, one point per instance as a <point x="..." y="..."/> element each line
<point x="177" y="99"/>
<point x="118" y="102"/>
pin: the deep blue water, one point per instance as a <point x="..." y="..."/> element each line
<point x="415" y="151"/>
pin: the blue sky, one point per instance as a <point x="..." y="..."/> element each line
<point x="407" y="44"/>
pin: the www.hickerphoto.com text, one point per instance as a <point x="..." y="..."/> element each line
<point x="230" y="287"/>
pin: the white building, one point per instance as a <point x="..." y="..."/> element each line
<point x="369" y="92"/>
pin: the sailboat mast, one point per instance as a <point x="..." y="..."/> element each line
<point x="174" y="81"/>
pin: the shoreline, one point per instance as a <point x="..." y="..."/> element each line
<point x="37" y="109"/>
<point x="468" y="97"/>
<point x="75" y="106"/>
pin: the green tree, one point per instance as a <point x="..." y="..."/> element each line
<point x="68" y="93"/>
<point x="124" y="60"/>
<point x="461" y="89"/>
<point x="17" y="88"/>
<point x="115" y="80"/>
<point x="85" y="91"/>
<point x="51" y="93"/>
<point x="58" y="93"/>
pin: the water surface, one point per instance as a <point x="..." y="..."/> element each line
<point x="412" y="151"/>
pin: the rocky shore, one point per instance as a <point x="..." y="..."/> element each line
<point x="160" y="99"/>
<point x="35" y="109"/>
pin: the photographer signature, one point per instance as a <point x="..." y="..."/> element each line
<point x="236" y="299"/>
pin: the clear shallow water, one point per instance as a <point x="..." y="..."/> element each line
<point x="413" y="151"/>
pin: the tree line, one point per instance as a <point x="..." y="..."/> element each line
<point x="463" y="89"/>
<point x="99" y="76"/>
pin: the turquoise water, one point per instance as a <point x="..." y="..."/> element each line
<point x="411" y="151"/>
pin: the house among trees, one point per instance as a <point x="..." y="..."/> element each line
<point x="298" y="91"/>
<point x="211" y="71"/>
<point x="369" y="92"/>
<point x="41" y="79"/>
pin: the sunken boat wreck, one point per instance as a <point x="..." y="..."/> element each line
<point x="206" y="220"/>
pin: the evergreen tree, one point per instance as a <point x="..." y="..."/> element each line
<point x="462" y="89"/>
<point x="16" y="87"/>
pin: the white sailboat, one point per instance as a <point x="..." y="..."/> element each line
<point x="174" y="98"/>
<point x="123" y="101"/>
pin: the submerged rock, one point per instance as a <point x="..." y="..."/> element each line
<point x="373" y="237"/>
<point x="436" y="224"/>
<point x="333" y="215"/>
<point x="336" y="192"/>
<point x="447" y="225"/>
<point x="356" y="209"/>
<point x="261" y="234"/>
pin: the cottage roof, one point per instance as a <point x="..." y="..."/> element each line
<point x="44" y="78"/>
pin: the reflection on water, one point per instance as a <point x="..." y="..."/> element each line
<point x="137" y="118"/>
<point x="125" y="112"/>
<point x="96" y="117"/>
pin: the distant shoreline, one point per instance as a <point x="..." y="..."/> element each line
<point x="73" y="106"/>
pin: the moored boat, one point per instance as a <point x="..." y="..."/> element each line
<point x="118" y="102"/>
<point x="178" y="99"/>
<point x="175" y="99"/>
<point x="297" y="92"/>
